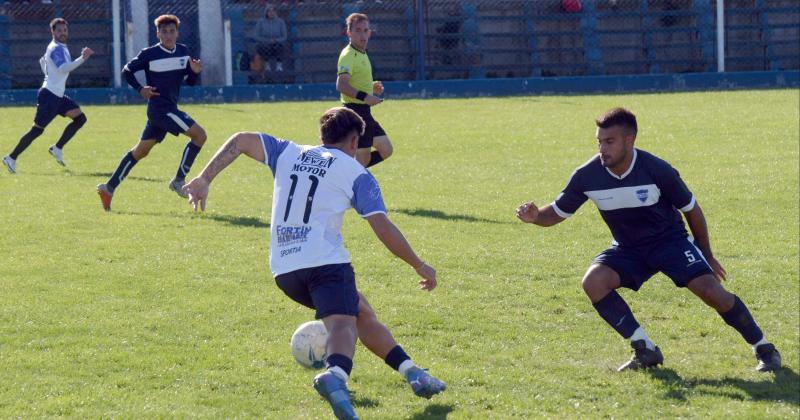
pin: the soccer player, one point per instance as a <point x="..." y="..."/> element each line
<point x="359" y="92"/>
<point x="314" y="186"/>
<point x="56" y="65"/>
<point x="165" y="66"/>
<point x="641" y="198"/>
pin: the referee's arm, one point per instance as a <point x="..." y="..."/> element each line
<point x="344" y="87"/>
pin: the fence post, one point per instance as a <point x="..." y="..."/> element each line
<point x="420" y="39"/>
<point x="117" y="47"/>
<point x="5" y="53"/>
<point x="593" y="54"/>
<point x="720" y="36"/>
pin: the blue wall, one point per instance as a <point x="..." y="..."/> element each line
<point x="444" y="88"/>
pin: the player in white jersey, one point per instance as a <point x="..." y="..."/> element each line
<point x="314" y="186"/>
<point x="56" y="65"/>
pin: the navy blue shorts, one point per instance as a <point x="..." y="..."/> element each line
<point x="680" y="260"/>
<point x="330" y="289"/>
<point x="158" y="125"/>
<point x="48" y="105"/>
<point x="372" y="128"/>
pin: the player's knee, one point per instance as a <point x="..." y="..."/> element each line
<point x="199" y="138"/>
<point x="80" y="120"/>
<point x="709" y="289"/>
<point x="140" y="153"/>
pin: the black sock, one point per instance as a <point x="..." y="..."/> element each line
<point x="340" y="360"/>
<point x="125" y="165"/>
<point x="70" y="130"/>
<point x="739" y="318"/>
<point x="187" y="160"/>
<point x="26" y="141"/>
<point x="617" y="313"/>
<point x="374" y="158"/>
<point x="396" y="357"/>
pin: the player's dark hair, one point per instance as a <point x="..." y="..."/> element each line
<point x="167" y="20"/>
<point x="338" y="124"/>
<point x="618" y="116"/>
<point x="57" y="21"/>
<point x="355" y="18"/>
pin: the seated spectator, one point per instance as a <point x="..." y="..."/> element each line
<point x="270" y="35"/>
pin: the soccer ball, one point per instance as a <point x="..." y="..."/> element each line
<point x="309" y="343"/>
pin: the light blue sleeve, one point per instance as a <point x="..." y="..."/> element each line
<point x="367" y="198"/>
<point x="58" y="56"/>
<point x="272" y="149"/>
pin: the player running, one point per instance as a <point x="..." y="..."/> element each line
<point x="359" y="92"/>
<point x="165" y="66"/>
<point x="56" y="65"/>
<point x="638" y="196"/>
<point x="314" y="186"/>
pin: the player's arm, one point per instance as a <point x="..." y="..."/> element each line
<point x="697" y="224"/>
<point x="129" y="74"/>
<point x="60" y="59"/>
<point x="395" y="242"/>
<point x="343" y="86"/>
<point x="240" y="143"/>
<point x="546" y="216"/>
<point x="193" y="69"/>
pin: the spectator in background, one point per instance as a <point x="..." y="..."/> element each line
<point x="270" y="33"/>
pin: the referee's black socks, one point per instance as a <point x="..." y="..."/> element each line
<point x="374" y="158"/>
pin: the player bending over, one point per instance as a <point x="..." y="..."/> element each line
<point x="639" y="197"/>
<point x="314" y="186"/>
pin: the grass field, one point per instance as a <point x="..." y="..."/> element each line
<point x="152" y="311"/>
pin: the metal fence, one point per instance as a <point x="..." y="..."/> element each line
<point x="415" y="39"/>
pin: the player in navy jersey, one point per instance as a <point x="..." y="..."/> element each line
<point x="165" y="67"/>
<point x="314" y="186"/>
<point x="56" y="65"/>
<point x="641" y="198"/>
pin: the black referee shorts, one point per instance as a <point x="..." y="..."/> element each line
<point x="372" y="128"/>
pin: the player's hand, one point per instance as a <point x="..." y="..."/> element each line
<point x="197" y="189"/>
<point x="528" y="212"/>
<point x="372" y="100"/>
<point x="195" y="65"/>
<point x="377" y="87"/>
<point x="148" y="92"/>
<point x="86" y="52"/>
<point x="719" y="270"/>
<point x="428" y="275"/>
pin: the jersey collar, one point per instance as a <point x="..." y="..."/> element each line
<point x="630" y="168"/>
<point x="356" y="48"/>
<point x="166" y="50"/>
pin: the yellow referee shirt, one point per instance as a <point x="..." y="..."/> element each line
<point x="357" y="65"/>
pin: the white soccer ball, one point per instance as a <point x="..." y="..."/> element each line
<point x="309" y="343"/>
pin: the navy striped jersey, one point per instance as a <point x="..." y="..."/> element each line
<point x="640" y="207"/>
<point x="164" y="70"/>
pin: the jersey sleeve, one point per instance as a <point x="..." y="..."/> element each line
<point x="345" y="64"/>
<point x="571" y="198"/>
<point x="272" y="150"/>
<point x="672" y="187"/>
<point x="138" y="63"/>
<point x="367" y="198"/>
<point x="58" y="56"/>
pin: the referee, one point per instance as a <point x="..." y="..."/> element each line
<point x="359" y="92"/>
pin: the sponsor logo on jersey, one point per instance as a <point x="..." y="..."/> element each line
<point x="289" y="235"/>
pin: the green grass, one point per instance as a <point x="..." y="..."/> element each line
<point x="152" y="311"/>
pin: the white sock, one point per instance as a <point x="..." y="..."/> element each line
<point x="405" y="366"/>
<point x="639" y="334"/>
<point x="760" y="342"/>
<point x="336" y="370"/>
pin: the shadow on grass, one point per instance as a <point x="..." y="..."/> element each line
<point x="434" y="411"/>
<point x="438" y="214"/>
<point x="362" y="402"/>
<point x="240" y="221"/>
<point x="783" y="385"/>
<point x="108" y="175"/>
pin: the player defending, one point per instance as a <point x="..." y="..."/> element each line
<point x="314" y="186"/>
<point x="56" y="65"/>
<point x="359" y="92"/>
<point x="639" y="195"/>
<point x="165" y="66"/>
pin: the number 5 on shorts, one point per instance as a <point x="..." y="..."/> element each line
<point x="689" y="256"/>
